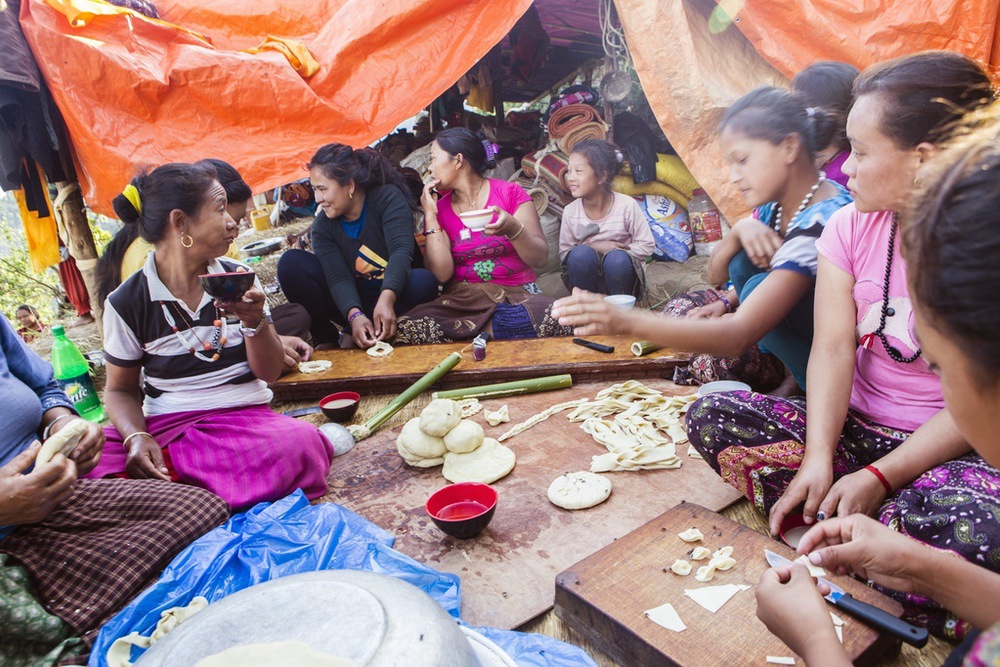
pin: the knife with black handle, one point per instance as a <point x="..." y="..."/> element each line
<point x="870" y="614"/>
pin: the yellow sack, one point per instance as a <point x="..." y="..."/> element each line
<point x="671" y="171"/>
<point x="625" y="185"/>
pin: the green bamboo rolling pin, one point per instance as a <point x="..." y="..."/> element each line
<point x="529" y="386"/>
<point x="643" y="347"/>
<point x="411" y="392"/>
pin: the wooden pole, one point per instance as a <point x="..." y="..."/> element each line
<point x="80" y="240"/>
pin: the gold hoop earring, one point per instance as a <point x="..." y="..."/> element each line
<point x="190" y="241"/>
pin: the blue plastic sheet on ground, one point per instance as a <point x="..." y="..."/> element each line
<point x="290" y="536"/>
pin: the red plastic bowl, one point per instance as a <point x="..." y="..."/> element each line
<point x="791" y="522"/>
<point x="341" y="413"/>
<point x="462" y="510"/>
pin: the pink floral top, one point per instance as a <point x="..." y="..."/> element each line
<point x="480" y="258"/>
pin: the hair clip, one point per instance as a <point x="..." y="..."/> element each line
<point x="131" y="193"/>
<point x="618" y="156"/>
<point x="810" y="111"/>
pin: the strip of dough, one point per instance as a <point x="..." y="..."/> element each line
<point x="540" y="417"/>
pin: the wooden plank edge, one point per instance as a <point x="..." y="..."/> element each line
<point x="601" y="630"/>
<point x="582" y="373"/>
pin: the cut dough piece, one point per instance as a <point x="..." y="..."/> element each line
<point x="780" y="660"/>
<point x="705" y="573"/>
<point x="814" y="570"/>
<point x="274" y="654"/>
<point x="579" y="490"/>
<point x="681" y="567"/>
<point x="63" y="442"/>
<point x="465" y="437"/>
<point x="470" y="407"/>
<point x="492" y="461"/>
<point x="724" y="551"/>
<point x="501" y="416"/>
<point x="837" y="620"/>
<point x="440" y="416"/>
<point x="693" y="453"/>
<point x="713" y="597"/>
<point x="379" y="349"/>
<point x="666" y="616"/>
<point x="722" y="563"/>
<point x="419" y="449"/>
<point x="691" y="535"/>
<point x="700" y="553"/>
<point x="316" y="366"/>
<point x="840" y="632"/>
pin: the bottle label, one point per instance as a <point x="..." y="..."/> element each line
<point x="82" y="392"/>
<point x="706" y="226"/>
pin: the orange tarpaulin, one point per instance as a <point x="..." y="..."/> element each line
<point x="138" y="92"/>
<point x="695" y="63"/>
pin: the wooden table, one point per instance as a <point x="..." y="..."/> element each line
<point x="508" y="571"/>
<point x="506" y="360"/>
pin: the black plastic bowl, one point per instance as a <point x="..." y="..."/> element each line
<point x="227" y="286"/>
<point x="463" y="510"/>
<point x="344" y="412"/>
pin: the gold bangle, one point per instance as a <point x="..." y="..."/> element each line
<point x="517" y="233"/>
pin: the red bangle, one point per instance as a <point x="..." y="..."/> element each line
<point x="885" y="483"/>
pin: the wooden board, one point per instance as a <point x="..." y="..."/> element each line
<point x="508" y="571"/>
<point x="603" y="597"/>
<point x="506" y="360"/>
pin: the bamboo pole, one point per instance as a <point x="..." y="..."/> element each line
<point x="410" y="393"/>
<point x="515" y="388"/>
<point x="641" y="348"/>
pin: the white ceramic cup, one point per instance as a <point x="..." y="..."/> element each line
<point x="722" y="385"/>
<point x="625" y="301"/>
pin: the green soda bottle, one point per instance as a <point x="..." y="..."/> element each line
<point x="73" y="374"/>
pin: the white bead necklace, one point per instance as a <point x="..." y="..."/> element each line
<point x="802" y="206"/>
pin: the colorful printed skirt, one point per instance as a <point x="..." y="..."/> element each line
<point x="756" y="442"/>
<point x="464" y="309"/>
<point x="761" y="370"/>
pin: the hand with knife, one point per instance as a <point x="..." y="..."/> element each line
<point x="790" y="604"/>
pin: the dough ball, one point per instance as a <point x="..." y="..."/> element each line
<point x="274" y="654"/>
<point x="416" y="447"/>
<point x="487" y="464"/>
<point x="440" y="416"/>
<point x="465" y="437"/>
<point x="579" y="490"/>
<point x="64" y="441"/>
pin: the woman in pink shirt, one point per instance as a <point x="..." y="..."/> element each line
<point x="488" y="275"/>
<point x="827" y="85"/>
<point x="878" y="440"/>
<point x="604" y="238"/>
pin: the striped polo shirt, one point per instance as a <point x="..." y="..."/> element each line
<point x="137" y="334"/>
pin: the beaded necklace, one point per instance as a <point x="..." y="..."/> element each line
<point x="868" y="340"/>
<point x="776" y="222"/>
<point x="218" y="337"/>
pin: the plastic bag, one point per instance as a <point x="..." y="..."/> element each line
<point x="290" y="536"/>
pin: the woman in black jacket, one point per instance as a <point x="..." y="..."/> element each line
<point x="366" y="266"/>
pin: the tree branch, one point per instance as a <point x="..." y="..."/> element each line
<point x="29" y="277"/>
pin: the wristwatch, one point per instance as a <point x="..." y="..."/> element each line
<point x="250" y="333"/>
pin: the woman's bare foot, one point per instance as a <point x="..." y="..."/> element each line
<point x="86" y="318"/>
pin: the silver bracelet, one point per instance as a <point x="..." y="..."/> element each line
<point x="250" y="333"/>
<point x="129" y="437"/>
<point x="48" y="429"/>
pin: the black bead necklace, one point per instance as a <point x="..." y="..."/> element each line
<point x="869" y="339"/>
